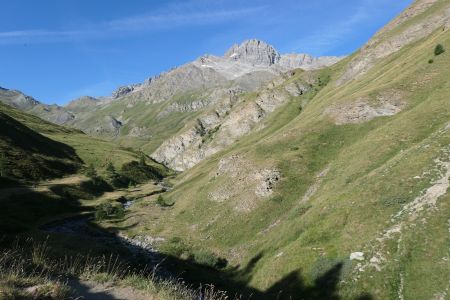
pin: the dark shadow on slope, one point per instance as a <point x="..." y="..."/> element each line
<point x="29" y="155"/>
<point x="77" y="236"/>
<point x="85" y="292"/>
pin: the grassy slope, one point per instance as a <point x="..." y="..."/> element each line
<point x="28" y="154"/>
<point x="87" y="149"/>
<point x="143" y="114"/>
<point x="372" y="169"/>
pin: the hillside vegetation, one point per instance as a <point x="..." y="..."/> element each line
<point x="313" y="184"/>
<point x="363" y="167"/>
<point x="34" y="149"/>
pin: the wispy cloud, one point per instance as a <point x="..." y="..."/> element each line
<point x="329" y="36"/>
<point x="179" y="19"/>
<point x="181" y="15"/>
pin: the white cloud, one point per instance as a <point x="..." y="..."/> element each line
<point x="173" y="16"/>
<point x="174" y="19"/>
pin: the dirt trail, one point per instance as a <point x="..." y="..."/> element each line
<point x="43" y="186"/>
<point x="107" y="291"/>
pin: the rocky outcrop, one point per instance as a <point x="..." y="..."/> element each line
<point x="306" y="62"/>
<point x="254" y="52"/>
<point x="246" y="185"/>
<point x="231" y="119"/>
<point x="124" y="90"/>
<point x="387" y="103"/>
<point x="248" y="65"/>
<point x="202" y="88"/>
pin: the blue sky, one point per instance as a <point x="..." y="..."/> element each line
<point x="57" y="50"/>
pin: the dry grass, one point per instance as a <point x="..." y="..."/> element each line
<point x="28" y="271"/>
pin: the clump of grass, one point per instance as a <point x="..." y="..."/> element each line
<point x="162" y="202"/>
<point x="209" y="259"/>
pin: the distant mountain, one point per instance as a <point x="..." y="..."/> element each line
<point x="313" y="182"/>
<point x="17" y="99"/>
<point x="256" y="52"/>
<point x="144" y="115"/>
<point x="52" y="113"/>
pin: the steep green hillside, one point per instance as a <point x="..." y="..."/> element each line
<point x="27" y="154"/>
<point x="362" y="167"/>
<point x="34" y="149"/>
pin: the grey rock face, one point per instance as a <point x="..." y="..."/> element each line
<point x="254" y="52"/>
<point x="123" y="90"/>
<point x="306" y="62"/>
<point x="223" y="126"/>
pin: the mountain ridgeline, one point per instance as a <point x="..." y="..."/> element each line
<point x="145" y="115"/>
<point x="314" y="178"/>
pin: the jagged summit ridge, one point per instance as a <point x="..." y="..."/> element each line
<point x="260" y="53"/>
<point x="255" y="52"/>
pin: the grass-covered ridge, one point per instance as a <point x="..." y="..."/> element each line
<point x="34" y="149"/>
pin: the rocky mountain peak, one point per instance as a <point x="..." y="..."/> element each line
<point x="254" y="52"/>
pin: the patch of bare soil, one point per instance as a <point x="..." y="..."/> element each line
<point x="388" y="103"/>
<point x="245" y="184"/>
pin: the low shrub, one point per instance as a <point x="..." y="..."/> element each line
<point x="136" y="172"/>
<point x="90" y="171"/>
<point x="109" y="211"/>
<point x="209" y="259"/>
<point x="96" y="187"/>
<point x="162" y="202"/>
<point x="439" y="50"/>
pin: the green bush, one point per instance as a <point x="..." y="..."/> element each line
<point x="114" y="178"/>
<point x="162" y="202"/>
<point x="439" y="49"/>
<point x="90" y="171"/>
<point x="96" y="187"/>
<point x="109" y="211"/>
<point x="71" y="192"/>
<point x="136" y="172"/>
<point x="431" y="61"/>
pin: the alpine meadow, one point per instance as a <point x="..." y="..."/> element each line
<point x="252" y="174"/>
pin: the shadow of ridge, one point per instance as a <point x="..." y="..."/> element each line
<point x="197" y="276"/>
<point x="96" y="241"/>
<point x="81" y="290"/>
<point x="293" y="287"/>
<point x="236" y="282"/>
